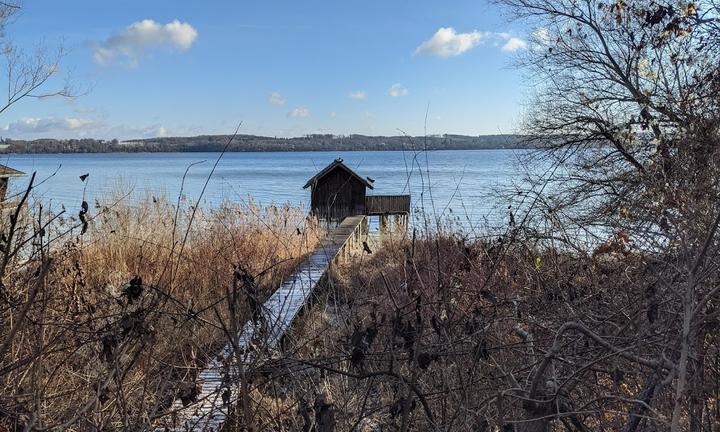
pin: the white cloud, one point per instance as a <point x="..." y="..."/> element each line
<point x="397" y="90"/>
<point x="31" y="125"/>
<point x="299" y="112"/>
<point x="540" y="39"/>
<point x="541" y="35"/>
<point x="358" y="95"/>
<point x="76" y="127"/>
<point x="137" y="39"/>
<point x="276" y="99"/>
<point x="446" y="42"/>
<point x="333" y="114"/>
<point x="513" y="44"/>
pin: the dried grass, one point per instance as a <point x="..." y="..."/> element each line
<point x="129" y="311"/>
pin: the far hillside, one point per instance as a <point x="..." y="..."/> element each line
<point x="254" y="143"/>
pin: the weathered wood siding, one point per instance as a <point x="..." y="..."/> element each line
<point x="338" y="195"/>
<point x="387" y="204"/>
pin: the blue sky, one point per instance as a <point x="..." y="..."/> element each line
<point x="283" y="68"/>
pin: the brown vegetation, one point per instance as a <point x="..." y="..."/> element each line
<point x="596" y="309"/>
<point x="102" y="330"/>
<point x="487" y="336"/>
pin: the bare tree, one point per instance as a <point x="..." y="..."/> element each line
<point x="626" y="95"/>
<point x="627" y="102"/>
<point x="29" y="75"/>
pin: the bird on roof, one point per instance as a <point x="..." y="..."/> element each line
<point x="370" y="179"/>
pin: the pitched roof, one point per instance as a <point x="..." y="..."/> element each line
<point x="6" y="171"/>
<point x="337" y="163"/>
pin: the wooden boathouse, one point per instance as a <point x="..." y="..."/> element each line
<point x="337" y="192"/>
<point x="339" y="197"/>
<point x="5" y="174"/>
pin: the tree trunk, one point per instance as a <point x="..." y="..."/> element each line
<point x="685" y="344"/>
<point x="537" y="417"/>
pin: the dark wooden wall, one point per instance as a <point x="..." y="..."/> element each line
<point x="387" y="204"/>
<point x="338" y="194"/>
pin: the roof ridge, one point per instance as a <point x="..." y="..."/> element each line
<point x="6" y="171"/>
<point x="336" y="163"/>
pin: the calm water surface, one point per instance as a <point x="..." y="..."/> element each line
<point x="460" y="182"/>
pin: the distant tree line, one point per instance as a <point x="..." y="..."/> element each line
<point x="254" y="143"/>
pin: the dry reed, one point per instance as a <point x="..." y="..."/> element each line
<point x="121" y="317"/>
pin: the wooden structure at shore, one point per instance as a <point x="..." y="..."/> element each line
<point x="336" y="192"/>
<point x="6" y="173"/>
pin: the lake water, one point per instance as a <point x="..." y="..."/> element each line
<point x="451" y="184"/>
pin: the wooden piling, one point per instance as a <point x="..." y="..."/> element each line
<point x="383" y="224"/>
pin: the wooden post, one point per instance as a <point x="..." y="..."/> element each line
<point x="366" y="229"/>
<point x="383" y="224"/>
<point x="354" y="241"/>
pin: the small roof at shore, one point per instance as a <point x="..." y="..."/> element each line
<point x="6" y="171"/>
<point x="337" y="163"/>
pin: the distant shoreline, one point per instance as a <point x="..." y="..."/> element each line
<point x="253" y="143"/>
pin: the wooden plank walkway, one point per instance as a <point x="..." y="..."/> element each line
<point x="210" y="411"/>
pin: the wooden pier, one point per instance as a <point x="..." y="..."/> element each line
<point x="338" y="198"/>
<point x="219" y="382"/>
